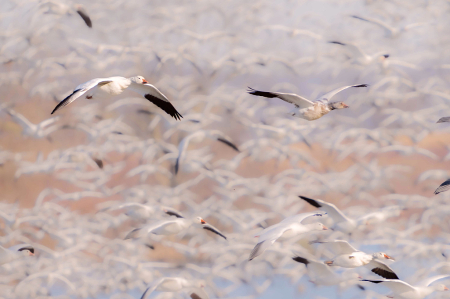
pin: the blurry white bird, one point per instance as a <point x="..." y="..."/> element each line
<point x="288" y="228"/>
<point x="177" y="284"/>
<point x="306" y="109"/>
<point x="403" y="290"/>
<point x="391" y="31"/>
<point x="62" y="9"/>
<point x="198" y="137"/>
<point x="171" y="227"/>
<point x="15" y="252"/>
<point x="360" y="57"/>
<point x="349" y="257"/>
<point x="40" y="130"/>
<point x="104" y="87"/>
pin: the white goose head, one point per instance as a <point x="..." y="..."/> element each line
<point x="382" y="255"/>
<point x="138" y="80"/>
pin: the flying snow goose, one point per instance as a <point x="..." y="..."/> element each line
<point x="391" y="31"/>
<point x="342" y="222"/>
<point x="15" y="252"/>
<point x="56" y="7"/>
<point x="321" y="274"/>
<point x="199" y="136"/>
<point x="403" y="290"/>
<point x="136" y="210"/>
<point x="39" y="130"/>
<point x="177" y="284"/>
<point x="171" y="227"/>
<point x="360" y="57"/>
<point x="306" y="109"/>
<point x="349" y="257"/>
<point x="104" y="87"/>
<point x="288" y="228"/>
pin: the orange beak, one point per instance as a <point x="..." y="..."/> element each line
<point x="31" y="254"/>
<point x="388" y="257"/>
<point x="445" y="289"/>
<point x="329" y="263"/>
<point x="325" y="228"/>
<point x="144" y="81"/>
<point x="202" y="221"/>
<point x="346" y="106"/>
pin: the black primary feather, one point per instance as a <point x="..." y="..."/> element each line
<point x="214" y="231"/>
<point x="164" y="105"/>
<point x="310" y="201"/>
<point x="300" y="259"/>
<point x="261" y="93"/>
<point x="228" y="143"/>
<point x="384" y="273"/>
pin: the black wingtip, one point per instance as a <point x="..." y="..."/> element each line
<point x="85" y="17"/>
<point x="361" y="85"/>
<point x="373" y="281"/>
<point x="228" y="143"/>
<point x="336" y="42"/>
<point x="300" y="259"/>
<point x="444" y="119"/>
<point x="177" y="165"/>
<point x="310" y="201"/>
<point x="361" y="287"/>
<point x="385" y="274"/>
<point x="215" y="231"/>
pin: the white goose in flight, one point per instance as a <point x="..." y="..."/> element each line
<point x="403" y="290"/>
<point x="104" y="87"/>
<point x="171" y="227"/>
<point x="178" y="284"/>
<point x="304" y="108"/>
<point x="288" y="228"/>
<point x="349" y="257"/>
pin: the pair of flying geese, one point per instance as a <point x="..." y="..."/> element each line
<point x="106" y="87"/>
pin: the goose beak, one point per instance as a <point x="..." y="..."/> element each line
<point x="345" y="105"/>
<point x="445" y="289"/>
<point x="329" y="263"/>
<point x="202" y="221"/>
<point x="325" y="228"/>
<point x="144" y="81"/>
<point x="31" y="253"/>
<point x="388" y="257"/>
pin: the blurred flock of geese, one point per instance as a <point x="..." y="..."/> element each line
<point x="218" y="175"/>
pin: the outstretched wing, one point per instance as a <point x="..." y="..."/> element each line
<point x="382" y="269"/>
<point x="152" y="287"/>
<point x="428" y="281"/>
<point x="340" y="247"/>
<point x="292" y="98"/>
<point x="155" y="96"/>
<point x="376" y="22"/>
<point x="330" y="208"/>
<point x="398" y="286"/>
<point x="213" y="229"/>
<point x="79" y="91"/>
<point x="327" y="97"/>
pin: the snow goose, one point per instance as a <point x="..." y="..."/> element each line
<point x="104" y="87"/>
<point x="360" y="57"/>
<point x="391" y="31"/>
<point x="403" y="290"/>
<point x="349" y="257"/>
<point x="15" y="252"/>
<point x="39" y="130"/>
<point x="287" y="228"/>
<point x="171" y="227"/>
<point x="62" y="9"/>
<point x="306" y="109"/>
<point x="342" y="222"/>
<point x="136" y="210"/>
<point x="199" y="136"/>
<point x="321" y="274"/>
<point x="177" y="284"/>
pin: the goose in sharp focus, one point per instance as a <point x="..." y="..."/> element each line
<point x="403" y="290"/>
<point x="171" y="227"/>
<point x="306" y="109"/>
<point x="289" y="227"/>
<point x="15" y="252"/>
<point x="321" y="274"/>
<point x="106" y="87"/>
<point x="178" y="284"/>
<point x="349" y="257"/>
